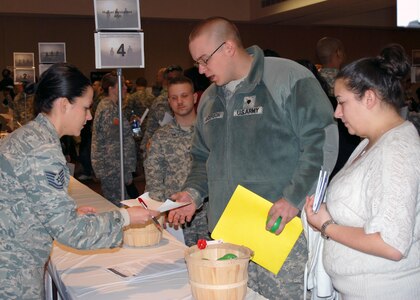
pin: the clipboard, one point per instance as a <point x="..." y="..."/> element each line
<point x="243" y="223"/>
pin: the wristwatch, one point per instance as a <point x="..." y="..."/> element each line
<point x="324" y="227"/>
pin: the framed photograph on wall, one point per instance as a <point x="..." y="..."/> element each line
<point x="25" y="76"/>
<point x="23" y="59"/>
<point x="119" y="50"/>
<point x="117" y="15"/>
<point x="51" y="53"/>
<point x="415" y="56"/>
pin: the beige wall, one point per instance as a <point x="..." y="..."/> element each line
<point x="166" y="41"/>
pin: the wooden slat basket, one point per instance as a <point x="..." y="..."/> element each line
<point x="218" y="279"/>
<point x="143" y="235"/>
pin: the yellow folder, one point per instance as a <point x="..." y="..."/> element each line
<point x="243" y="223"/>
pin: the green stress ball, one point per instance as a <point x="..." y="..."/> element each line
<point x="227" y="256"/>
<point x="275" y="225"/>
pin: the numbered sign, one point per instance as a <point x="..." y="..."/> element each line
<point x="119" y="50"/>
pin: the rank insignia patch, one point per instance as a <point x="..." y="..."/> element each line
<point x="55" y="180"/>
<point x="249" y="102"/>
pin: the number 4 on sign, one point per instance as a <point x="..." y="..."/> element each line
<point x="121" y="50"/>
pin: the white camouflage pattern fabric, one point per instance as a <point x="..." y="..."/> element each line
<point x="35" y="209"/>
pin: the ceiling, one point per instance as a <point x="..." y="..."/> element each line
<point x="371" y="13"/>
<point x="365" y="13"/>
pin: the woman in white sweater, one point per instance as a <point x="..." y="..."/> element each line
<point x="371" y="218"/>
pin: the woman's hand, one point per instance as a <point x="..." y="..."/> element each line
<point x="140" y="215"/>
<point x="316" y="219"/>
<point x="85" y="210"/>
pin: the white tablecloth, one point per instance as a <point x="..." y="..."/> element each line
<point x="84" y="275"/>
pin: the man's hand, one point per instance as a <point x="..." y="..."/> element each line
<point x="184" y="213"/>
<point x="282" y="209"/>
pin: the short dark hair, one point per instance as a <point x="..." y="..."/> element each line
<point x="60" y="80"/>
<point x="181" y="79"/>
<point x="141" y="81"/>
<point x="6" y="73"/>
<point x="109" y="79"/>
<point x="326" y="47"/>
<point x="172" y="68"/>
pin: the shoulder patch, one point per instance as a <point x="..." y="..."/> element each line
<point x="55" y="180"/>
<point x="148" y="145"/>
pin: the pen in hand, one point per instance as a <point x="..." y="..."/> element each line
<point x="157" y="224"/>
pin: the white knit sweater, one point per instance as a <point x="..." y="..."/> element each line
<point x="381" y="193"/>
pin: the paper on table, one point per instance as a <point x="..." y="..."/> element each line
<point x="167" y="205"/>
<point x="243" y="223"/>
<point x="142" y="270"/>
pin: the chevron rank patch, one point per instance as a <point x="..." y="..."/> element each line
<point x="55" y="180"/>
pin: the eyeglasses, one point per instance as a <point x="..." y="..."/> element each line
<point x="203" y="62"/>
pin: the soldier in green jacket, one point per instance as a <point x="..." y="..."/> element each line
<point x="264" y="123"/>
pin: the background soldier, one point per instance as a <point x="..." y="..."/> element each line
<point x="160" y="107"/>
<point x="106" y="143"/>
<point x="169" y="159"/>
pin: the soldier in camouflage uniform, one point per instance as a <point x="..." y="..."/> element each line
<point x="35" y="207"/>
<point x="159" y="107"/>
<point x="105" y="153"/>
<point x="139" y="100"/>
<point x="22" y="106"/>
<point x="169" y="159"/>
<point x="331" y="54"/>
<point x="136" y="104"/>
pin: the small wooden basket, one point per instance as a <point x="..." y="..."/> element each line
<point x="143" y="235"/>
<point x="218" y="279"/>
